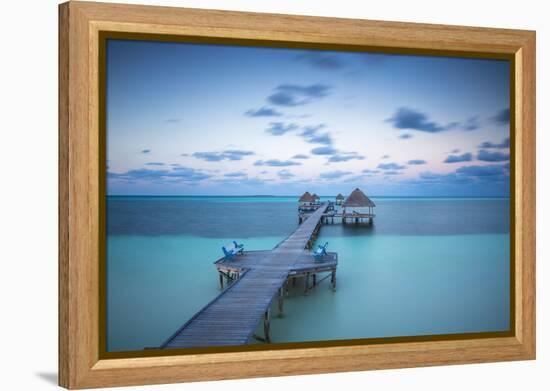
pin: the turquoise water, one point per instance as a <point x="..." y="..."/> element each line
<point x="427" y="266"/>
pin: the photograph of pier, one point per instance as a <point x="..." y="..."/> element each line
<point x="263" y="195"/>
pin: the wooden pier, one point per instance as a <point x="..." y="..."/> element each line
<point x="348" y="218"/>
<point x="252" y="281"/>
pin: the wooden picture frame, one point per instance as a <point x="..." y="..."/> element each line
<point x="81" y="152"/>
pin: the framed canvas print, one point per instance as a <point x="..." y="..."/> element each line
<point x="298" y="194"/>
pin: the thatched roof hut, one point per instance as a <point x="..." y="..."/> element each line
<point x="316" y="197"/>
<point x="358" y="199"/>
<point x="306" y="197"/>
<point x="340" y="196"/>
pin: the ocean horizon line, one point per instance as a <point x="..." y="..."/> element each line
<point x="289" y="196"/>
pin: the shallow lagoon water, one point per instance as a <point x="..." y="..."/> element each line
<point x="427" y="266"/>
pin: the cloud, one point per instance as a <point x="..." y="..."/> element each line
<point x="229" y="154"/>
<point x="182" y="174"/>
<point x="276" y="163"/>
<point x="482" y="171"/>
<point x="173" y="120"/>
<point x="390" y="166"/>
<point x="428" y="175"/>
<point x="355" y="178"/>
<point x="344" y="157"/>
<point x="237" y="174"/>
<point x="392" y="173"/>
<point x="321" y="60"/>
<point x="154" y="164"/>
<point x="471" y="123"/>
<point x="280" y="128"/>
<point x="242" y="181"/>
<point x="285" y="174"/>
<point x="454" y="125"/>
<point x="263" y="112"/>
<point x="145" y="151"/>
<point x="385" y="157"/>
<point x="466" y="157"/>
<point x="334" y="174"/>
<point x="407" y="118"/>
<point x="236" y="154"/>
<point x="467" y="175"/>
<point x="488" y="156"/>
<point x="416" y="162"/>
<point x="502" y="117"/>
<point x="324" y="150"/>
<point x="456" y="150"/>
<point x="312" y="135"/>
<point x="369" y="171"/>
<point x="405" y="136"/>
<point x="300" y="156"/>
<point x="291" y="95"/>
<point x="503" y="145"/>
<point x="209" y="156"/>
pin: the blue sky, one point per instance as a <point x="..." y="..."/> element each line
<point x="195" y="119"/>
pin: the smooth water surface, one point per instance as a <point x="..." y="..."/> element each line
<point x="427" y="266"/>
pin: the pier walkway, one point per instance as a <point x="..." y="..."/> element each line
<point x="254" y="279"/>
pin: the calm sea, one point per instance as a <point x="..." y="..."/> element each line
<point x="427" y="266"/>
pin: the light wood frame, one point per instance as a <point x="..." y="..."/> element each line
<point x="80" y="24"/>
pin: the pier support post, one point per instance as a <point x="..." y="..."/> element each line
<point x="287" y="293"/>
<point x="266" y="326"/>
<point x="314" y="279"/>
<point x="306" y="284"/>
<point x="221" y="280"/>
<point x="333" y="279"/>
<point x="281" y="301"/>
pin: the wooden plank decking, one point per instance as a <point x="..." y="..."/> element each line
<point x="233" y="316"/>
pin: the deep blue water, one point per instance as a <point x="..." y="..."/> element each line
<point x="427" y="266"/>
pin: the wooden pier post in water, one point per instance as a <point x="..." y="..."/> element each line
<point x="281" y="301"/>
<point x="266" y="326"/>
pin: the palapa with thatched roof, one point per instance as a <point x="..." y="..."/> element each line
<point x="358" y="207"/>
<point x="340" y="199"/>
<point x="316" y="198"/>
<point x="307" y="203"/>
<point x="306" y="199"/>
<point x="358" y="199"/>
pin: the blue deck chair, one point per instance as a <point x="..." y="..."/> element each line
<point x="239" y="247"/>
<point x="321" y="251"/>
<point x="229" y="254"/>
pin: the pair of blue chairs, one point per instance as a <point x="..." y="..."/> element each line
<point x="231" y="252"/>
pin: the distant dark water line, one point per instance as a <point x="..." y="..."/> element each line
<point x="250" y="218"/>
